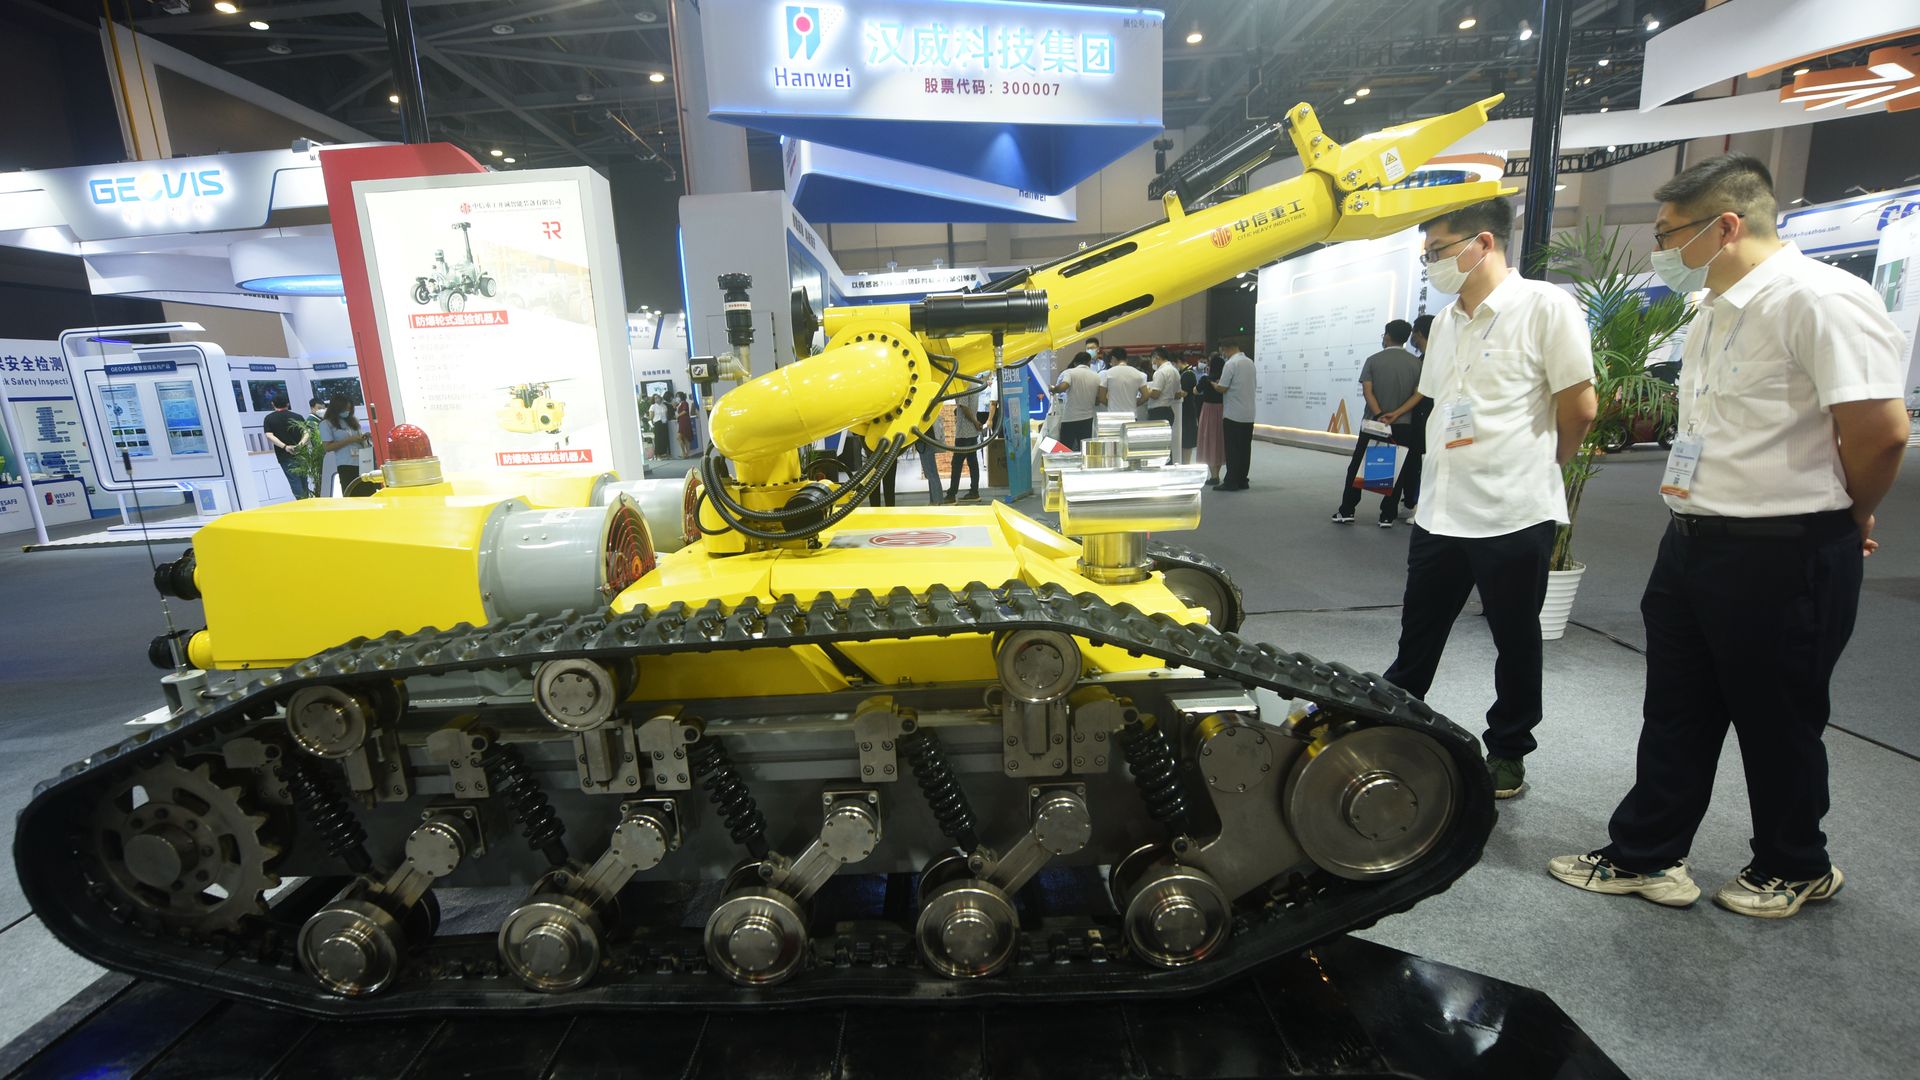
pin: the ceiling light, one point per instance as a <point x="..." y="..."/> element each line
<point x="1604" y="61"/>
<point x="1559" y="187"/>
<point x="1801" y="71"/>
<point x="1363" y="91"/>
<point x="1469" y="23"/>
<point x="258" y="25"/>
<point x="1194" y="36"/>
<point x="1603" y="108"/>
<point x="1350" y="101"/>
<point x="646" y="16"/>
<point x="279" y="48"/>
<point x="507" y="160"/>
<point x="393" y="99"/>
<point x="226" y="8"/>
<point x="657" y="77"/>
<point x="583" y="96"/>
<point x="1652" y="24"/>
<point x="1882" y="98"/>
<point x="1610" y="148"/>
<point x="1889" y="69"/>
<point x="1526" y="30"/>
<point x="496" y="153"/>
<point x="503" y="29"/>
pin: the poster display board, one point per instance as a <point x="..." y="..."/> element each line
<point x="1894" y="267"/>
<point x="38" y="397"/>
<point x="151" y="410"/>
<point x="1318" y="319"/>
<point x="500" y="311"/>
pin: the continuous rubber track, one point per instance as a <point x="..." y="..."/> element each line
<point x="664" y="968"/>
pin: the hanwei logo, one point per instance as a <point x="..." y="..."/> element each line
<point x="1222" y="236"/>
<point x="803" y="32"/>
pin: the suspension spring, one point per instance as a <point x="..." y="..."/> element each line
<point x="325" y="811"/>
<point x="1150" y="757"/>
<point x="509" y="776"/>
<point x="940" y="786"/>
<point x="729" y="795"/>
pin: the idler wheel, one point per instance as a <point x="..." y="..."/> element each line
<point x="967" y="929"/>
<point x="552" y="944"/>
<point x="1178" y="916"/>
<point x="1372" y="802"/>
<point x="756" y="937"/>
<point x="352" y="946"/>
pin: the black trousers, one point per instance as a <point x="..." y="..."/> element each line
<point x="971" y="463"/>
<point x="1075" y="432"/>
<point x="1742" y="633"/>
<point x="1511" y="573"/>
<point x="1239" y="440"/>
<point x="1406" y="487"/>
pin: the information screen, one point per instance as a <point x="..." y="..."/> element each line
<point x="127" y="424"/>
<point x="180" y="409"/>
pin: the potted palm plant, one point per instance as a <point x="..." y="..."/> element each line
<point x="1607" y="276"/>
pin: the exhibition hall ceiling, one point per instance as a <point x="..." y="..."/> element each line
<point x="561" y="82"/>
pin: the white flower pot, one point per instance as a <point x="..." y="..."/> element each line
<point x="1561" y="585"/>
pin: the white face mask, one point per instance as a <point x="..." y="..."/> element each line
<point x="1675" y="272"/>
<point x="1447" y="276"/>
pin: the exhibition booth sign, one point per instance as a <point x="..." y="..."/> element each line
<point x="1033" y="97"/>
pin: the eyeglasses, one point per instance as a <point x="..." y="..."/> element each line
<point x="1660" y="238"/>
<point x="1428" y="258"/>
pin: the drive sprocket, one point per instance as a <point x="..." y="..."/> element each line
<point x="178" y="849"/>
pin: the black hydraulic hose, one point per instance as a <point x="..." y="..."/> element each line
<point x="724" y="506"/>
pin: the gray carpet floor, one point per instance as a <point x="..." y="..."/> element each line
<point x="1697" y="993"/>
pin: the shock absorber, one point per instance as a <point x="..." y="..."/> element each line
<point x="940" y="786"/>
<point x="509" y="776"/>
<point x="325" y="811"/>
<point x="1150" y="757"/>
<point x="729" y="795"/>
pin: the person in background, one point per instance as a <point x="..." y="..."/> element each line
<point x="660" y="414"/>
<point x="1162" y="392"/>
<point x="1123" y="383"/>
<point x="1791" y="431"/>
<point x="1099" y="355"/>
<point x="343" y="440"/>
<point x="966" y="435"/>
<point x="1511" y="370"/>
<point x="1189" y="406"/>
<point x="1387" y="379"/>
<point x="311" y="454"/>
<point x="1212" y="442"/>
<point x="1238" y="383"/>
<point x="930" y="468"/>
<point x="286" y="433"/>
<point x="683" y="413"/>
<point x="1422" y="326"/>
<point x="1081" y="385"/>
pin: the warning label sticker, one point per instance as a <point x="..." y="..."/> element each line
<point x="961" y="536"/>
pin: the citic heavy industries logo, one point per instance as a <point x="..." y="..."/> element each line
<point x="807" y="28"/>
<point x="803" y="32"/>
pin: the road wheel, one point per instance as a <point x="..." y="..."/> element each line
<point x="487" y="285"/>
<point x="453" y="300"/>
<point x="421" y="294"/>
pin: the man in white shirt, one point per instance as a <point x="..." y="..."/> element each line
<point x="1791" y="430"/>
<point x="1510" y="371"/>
<point x="1237" y="384"/>
<point x="1123" y="383"/>
<point x="1162" y="394"/>
<point x="1082" y="389"/>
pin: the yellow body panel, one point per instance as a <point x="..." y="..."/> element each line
<point x="283" y="582"/>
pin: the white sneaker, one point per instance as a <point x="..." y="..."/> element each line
<point x="1774" y="898"/>
<point x="1595" y="872"/>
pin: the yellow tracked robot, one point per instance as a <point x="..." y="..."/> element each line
<point x="755" y="742"/>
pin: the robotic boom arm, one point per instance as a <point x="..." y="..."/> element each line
<point x="884" y="368"/>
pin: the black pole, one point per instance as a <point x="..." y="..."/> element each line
<point x="405" y="57"/>
<point x="1543" y="166"/>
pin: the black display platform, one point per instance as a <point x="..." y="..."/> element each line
<point x="1349" y="1009"/>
